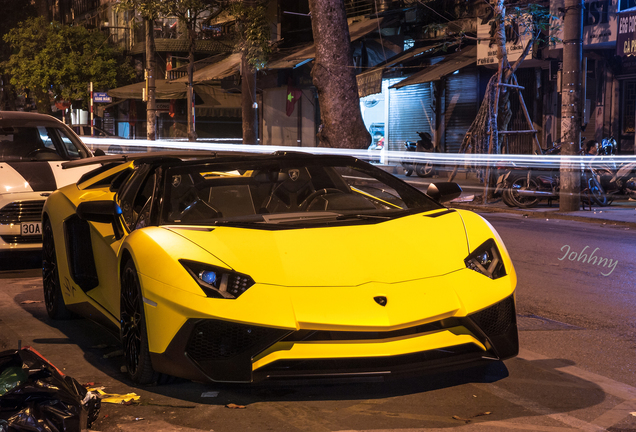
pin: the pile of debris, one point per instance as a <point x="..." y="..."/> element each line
<point x="36" y="396"/>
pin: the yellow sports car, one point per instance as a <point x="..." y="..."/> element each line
<point x="240" y="267"/>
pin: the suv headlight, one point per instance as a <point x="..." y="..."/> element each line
<point x="218" y="282"/>
<point x="486" y="260"/>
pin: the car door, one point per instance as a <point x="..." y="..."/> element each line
<point x="134" y="197"/>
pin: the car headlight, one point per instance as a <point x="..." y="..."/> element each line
<point x="486" y="260"/>
<point x="218" y="282"/>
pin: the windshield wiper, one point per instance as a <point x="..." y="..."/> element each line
<point x="363" y="216"/>
<point x="239" y="220"/>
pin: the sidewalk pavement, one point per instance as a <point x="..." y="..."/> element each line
<point x="620" y="212"/>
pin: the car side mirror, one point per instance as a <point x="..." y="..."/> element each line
<point x="99" y="152"/>
<point x="102" y="212"/>
<point x="444" y="191"/>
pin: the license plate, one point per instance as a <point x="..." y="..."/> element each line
<point x="31" y="228"/>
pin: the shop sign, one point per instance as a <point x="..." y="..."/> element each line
<point x="626" y="40"/>
<point x="516" y="40"/>
<point x="599" y="23"/>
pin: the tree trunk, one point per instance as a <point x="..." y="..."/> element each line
<point x="42" y="101"/>
<point x="569" y="199"/>
<point x="334" y="77"/>
<point x="192" y="134"/>
<point x="42" y="8"/>
<point x="151" y="67"/>
<point x="7" y="95"/>
<point x="248" y="98"/>
<point x="248" y="95"/>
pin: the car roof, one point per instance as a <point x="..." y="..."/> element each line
<point x="9" y="118"/>
<point x="195" y="156"/>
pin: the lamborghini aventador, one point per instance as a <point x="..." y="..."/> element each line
<point x="242" y="267"/>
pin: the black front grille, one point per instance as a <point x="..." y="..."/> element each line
<point x="497" y="319"/>
<point x="450" y="357"/>
<point x="220" y="340"/>
<point x="21" y="239"/>
<point x="21" y="211"/>
<point x="323" y="335"/>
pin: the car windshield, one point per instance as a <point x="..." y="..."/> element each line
<point x="38" y="143"/>
<point x="283" y="191"/>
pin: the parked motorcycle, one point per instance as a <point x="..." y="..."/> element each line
<point x="615" y="180"/>
<point x="515" y="179"/>
<point x="423" y="168"/>
<point x="525" y="188"/>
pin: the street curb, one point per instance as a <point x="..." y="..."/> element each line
<point x="547" y="214"/>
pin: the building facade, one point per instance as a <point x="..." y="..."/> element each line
<point x="414" y="73"/>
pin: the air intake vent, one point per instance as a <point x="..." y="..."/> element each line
<point x="220" y="340"/>
<point x="495" y="320"/>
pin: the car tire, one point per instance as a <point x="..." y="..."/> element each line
<point x="133" y="333"/>
<point x="53" y="299"/>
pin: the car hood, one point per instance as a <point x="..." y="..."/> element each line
<point x="37" y="176"/>
<point x="399" y="250"/>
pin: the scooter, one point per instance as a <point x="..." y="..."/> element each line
<point x="617" y="181"/>
<point x="424" y="168"/>
<point x="614" y="179"/>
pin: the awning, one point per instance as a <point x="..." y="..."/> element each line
<point x="448" y="65"/>
<point x="163" y="90"/>
<point x="302" y="55"/>
<point x="216" y="102"/>
<point x="370" y="81"/>
<point x="181" y="71"/>
<point x="225" y="67"/>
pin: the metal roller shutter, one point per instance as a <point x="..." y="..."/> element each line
<point x="410" y="111"/>
<point x="461" y="107"/>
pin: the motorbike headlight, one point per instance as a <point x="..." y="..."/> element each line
<point x="486" y="260"/>
<point x="218" y="282"/>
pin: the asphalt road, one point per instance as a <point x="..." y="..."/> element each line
<point x="576" y="369"/>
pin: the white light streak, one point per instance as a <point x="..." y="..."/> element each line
<point x="390" y="157"/>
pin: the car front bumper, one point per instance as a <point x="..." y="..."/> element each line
<point x="224" y="351"/>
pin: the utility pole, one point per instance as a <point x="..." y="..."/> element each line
<point x="570" y="199"/>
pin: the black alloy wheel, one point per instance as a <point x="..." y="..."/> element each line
<point x="424" y="169"/>
<point x="133" y="332"/>
<point x="53" y="299"/>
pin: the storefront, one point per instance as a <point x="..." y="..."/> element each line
<point x="626" y="52"/>
<point x="441" y="99"/>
